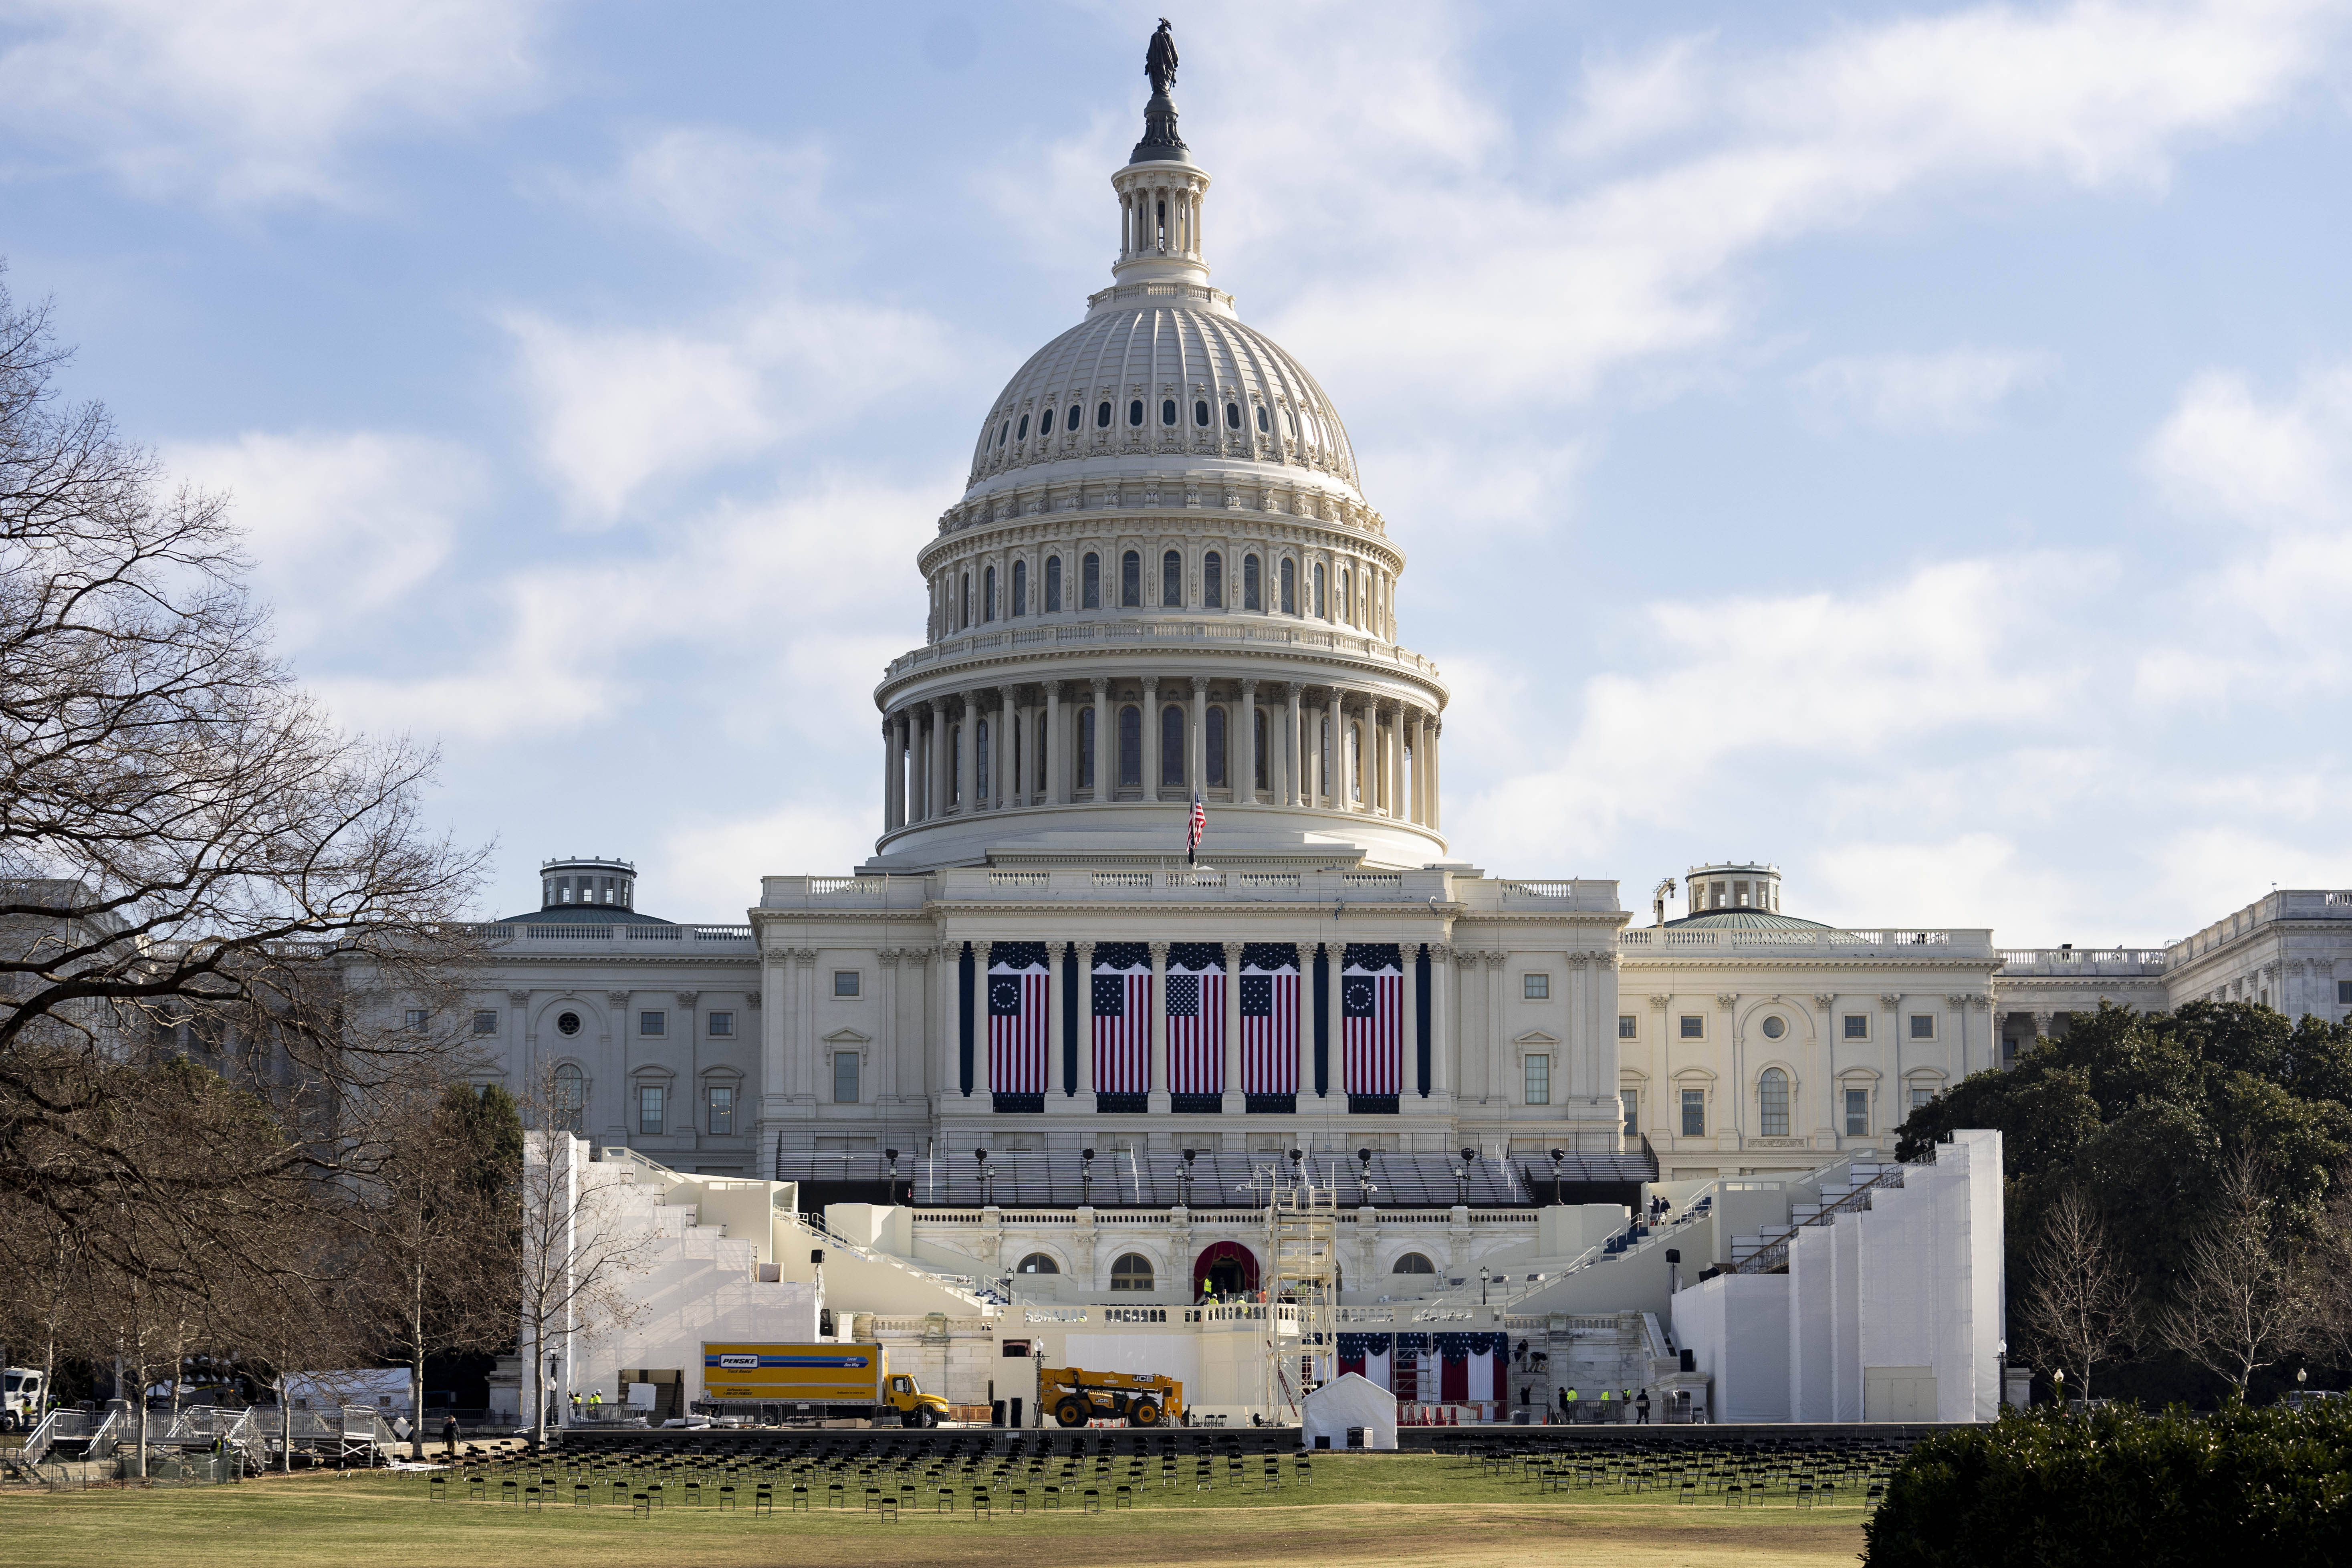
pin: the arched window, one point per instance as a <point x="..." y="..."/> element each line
<point x="1216" y="746"/>
<point x="1258" y="751"/>
<point x="1773" y="1092"/>
<point x="1200" y="412"/>
<point x="1413" y="1263"/>
<point x="1213" y="581"/>
<point x="1003" y="430"/>
<point x="1024" y="435"/>
<point x="1038" y="1263"/>
<point x="1264" y="426"/>
<point x="1172" y="745"/>
<point x="980" y="761"/>
<point x="571" y="1097"/>
<point x="1021" y="587"/>
<point x="1131" y="580"/>
<point x="1171" y="579"/>
<point x="1053" y="584"/>
<point x="1130" y="747"/>
<point x="988" y="595"/>
<point x="1318" y="589"/>
<point x="1090" y="581"/>
<point x="966" y="618"/>
<point x="1131" y="1272"/>
<point x="1346" y="600"/>
<point x="1355" y="761"/>
<point x="1102" y="415"/>
<point x="1168" y="411"/>
<point x="1070" y="419"/>
<point x="1135" y="412"/>
<point x="1232" y="416"/>
<point x="1249" y="583"/>
<point x="1085" y="748"/>
<point x="1289" y="587"/>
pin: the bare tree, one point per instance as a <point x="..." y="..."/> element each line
<point x="438" y="1224"/>
<point x="189" y="849"/>
<point x="2081" y="1304"/>
<point x="578" y="1246"/>
<point x="2241" y="1299"/>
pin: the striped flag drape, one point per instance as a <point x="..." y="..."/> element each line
<point x="1122" y="1016"/>
<point x="1371" y="1012"/>
<point x="1019" y="1027"/>
<point x="1269" y="1009"/>
<point x="1196" y="1030"/>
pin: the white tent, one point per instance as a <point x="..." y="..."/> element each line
<point x="1351" y="1400"/>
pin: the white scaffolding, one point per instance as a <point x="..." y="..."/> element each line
<point x="1302" y="1249"/>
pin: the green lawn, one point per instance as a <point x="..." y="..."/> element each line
<point x="1363" y="1509"/>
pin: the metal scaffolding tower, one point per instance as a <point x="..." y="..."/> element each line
<point x="1302" y="1249"/>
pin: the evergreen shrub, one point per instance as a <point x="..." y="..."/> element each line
<point x="2271" y="1486"/>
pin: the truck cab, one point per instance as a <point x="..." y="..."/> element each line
<point x="913" y="1406"/>
<point x="23" y="1401"/>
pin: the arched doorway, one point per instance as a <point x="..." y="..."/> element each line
<point x="1227" y="1267"/>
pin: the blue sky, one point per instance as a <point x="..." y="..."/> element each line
<point x="1907" y="444"/>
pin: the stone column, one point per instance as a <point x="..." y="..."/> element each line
<point x="1292" y="753"/>
<point x="1443" y="1027"/>
<point x="1196" y="761"/>
<point x="935" y="795"/>
<point x="1008" y="749"/>
<point x="967" y="790"/>
<point x="1158" y="1028"/>
<point x="775" y="1023"/>
<point x="1420" y="805"/>
<point x="1498" y="1048"/>
<point x="1086" y="1013"/>
<point x="980" y="1085"/>
<point x="1332" y="766"/>
<point x="1232" y="1024"/>
<point x="889" y="772"/>
<point x="1106" y="743"/>
<point x="1436" y="781"/>
<point x="1409" y="996"/>
<point x="1244" y="781"/>
<point x="1305" y="1070"/>
<point x="886" y="1081"/>
<point x="1150" y="737"/>
<point x="1057" y="748"/>
<point x="1396" y="801"/>
<point x="947" y="1083"/>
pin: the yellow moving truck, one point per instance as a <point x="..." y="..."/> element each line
<point x="816" y="1382"/>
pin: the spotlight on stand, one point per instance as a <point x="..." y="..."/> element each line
<point x="1085" y="1175"/>
<point x="1558" y="1156"/>
<point x="1364" y="1176"/>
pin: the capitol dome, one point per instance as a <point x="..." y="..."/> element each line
<point x="1162" y="584"/>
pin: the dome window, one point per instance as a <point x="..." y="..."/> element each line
<point x="1135" y="412"/>
<point x="1264" y="424"/>
<point x="1090" y="581"/>
<point x="1250" y="595"/>
<point x="1002" y="430"/>
<point x="1172" y="580"/>
<point x="988" y="595"/>
<point x="1200" y="412"/>
<point x="1025" y="429"/>
<point x="1168" y="411"/>
<point x="1021" y="587"/>
<point x="1232" y="416"/>
<point x="1213" y="581"/>
<point x="1053" y="584"/>
<point x="1172" y="745"/>
<point x="1102" y="415"/>
<point x="1130" y="747"/>
<point x="1131" y="580"/>
<point x="1214" y="743"/>
<point x="1071" y="421"/>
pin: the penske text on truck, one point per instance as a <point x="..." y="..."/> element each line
<point x="817" y="1381"/>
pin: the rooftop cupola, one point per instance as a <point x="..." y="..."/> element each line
<point x="1160" y="189"/>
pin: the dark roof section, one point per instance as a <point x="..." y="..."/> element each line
<point x="585" y="915"/>
<point x="1743" y="920"/>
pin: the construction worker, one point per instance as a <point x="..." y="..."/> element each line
<point x="1606" y="1415"/>
<point x="1568" y="1399"/>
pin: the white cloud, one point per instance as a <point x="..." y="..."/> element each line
<point x="1971" y="879"/>
<point x="1955" y="391"/>
<point x="338" y="525"/>
<point x="256" y="101"/>
<point x="709" y="866"/>
<point x="730" y="191"/>
<point x="2287" y="464"/>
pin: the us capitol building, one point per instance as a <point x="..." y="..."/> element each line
<point x="1164" y="583"/>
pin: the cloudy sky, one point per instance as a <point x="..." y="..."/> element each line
<point x="1910" y="444"/>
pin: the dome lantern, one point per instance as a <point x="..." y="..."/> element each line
<point x="1161" y="190"/>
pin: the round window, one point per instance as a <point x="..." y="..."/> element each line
<point x="568" y="1024"/>
<point x="1774" y="1029"/>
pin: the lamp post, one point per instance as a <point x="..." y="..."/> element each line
<point x="1364" y="1176"/>
<point x="892" y="1196"/>
<point x="1085" y="1175"/>
<point x="1557" y="1155"/>
<point x="2058" y="1379"/>
<point x="2300" y="1373"/>
<point x="1485" y="1274"/>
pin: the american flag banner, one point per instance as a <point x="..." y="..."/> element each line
<point x="1122" y="1014"/>
<point x="1371" y="1013"/>
<point x="1019" y="1026"/>
<point x="1269" y="1008"/>
<point x="1196" y="1018"/>
<point x="1195" y="829"/>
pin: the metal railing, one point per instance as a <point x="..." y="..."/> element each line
<point x="1774" y="1253"/>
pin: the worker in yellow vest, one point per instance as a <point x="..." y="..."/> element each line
<point x="1605" y="1415"/>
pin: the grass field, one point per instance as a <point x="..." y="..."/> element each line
<point x="1361" y="1510"/>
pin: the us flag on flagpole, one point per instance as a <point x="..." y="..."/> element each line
<point x="1018" y="1026"/>
<point x="1200" y="825"/>
<point x="1269" y="1009"/>
<point x="1371" y="1010"/>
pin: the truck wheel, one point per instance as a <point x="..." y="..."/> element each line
<point x="927" y="1416"/>
<point x="1143" y="1413"/>
<point x="910" y="1418"/>
<point x="1070" y="1413"/>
